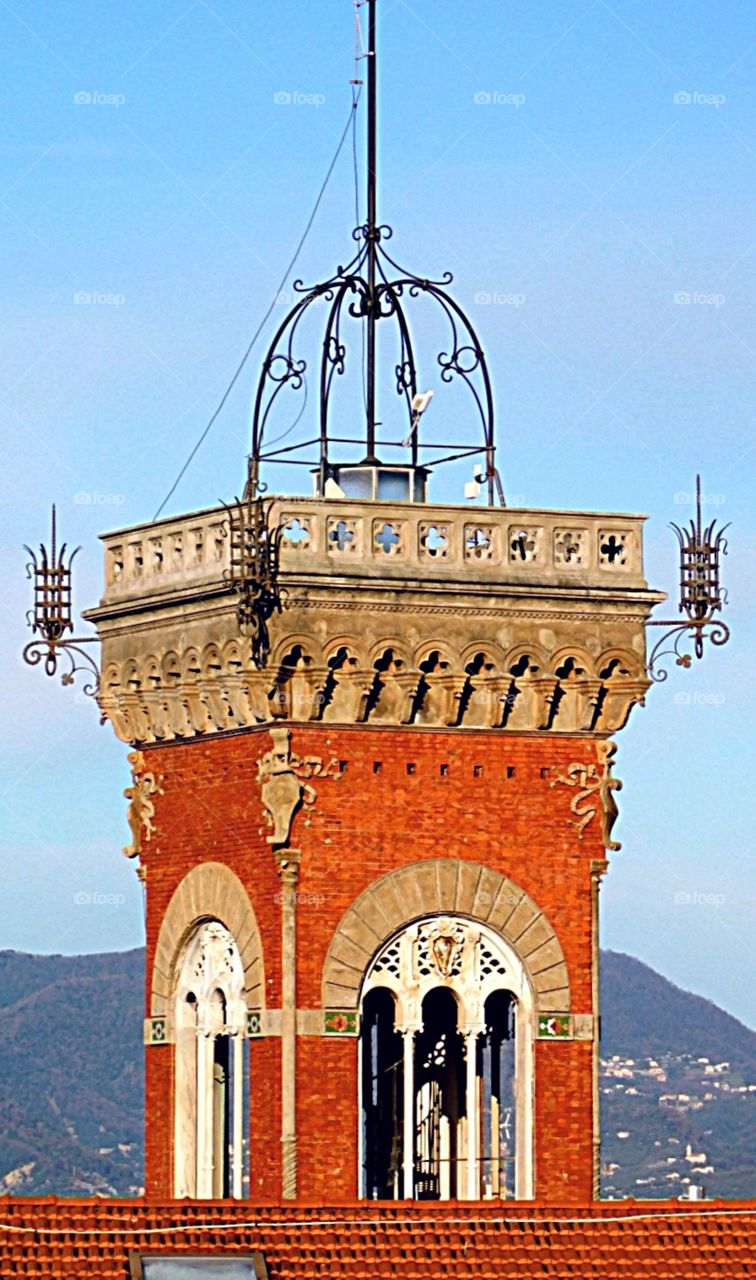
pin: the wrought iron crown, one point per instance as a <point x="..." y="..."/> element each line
<point x="701" y="594"/>
<point x="371" y="288"/>
<point x="51" y="617"/>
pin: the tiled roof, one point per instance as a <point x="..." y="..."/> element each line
<point x="90" y="1239"/>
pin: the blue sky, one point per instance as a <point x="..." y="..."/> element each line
<point x="579" y="183"/>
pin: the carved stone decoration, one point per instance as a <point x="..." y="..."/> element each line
<point x="141" y="808"/>
<point x="444" y="944"/>
<point x="621" y="695"/>
<point x="443" y="948"/>
<point x="282" y="791"/>
<point x="595" y="790"/>
<point x="583" y="804"/>
<point x="284" y="786"/>
<point x="609" y="811"/>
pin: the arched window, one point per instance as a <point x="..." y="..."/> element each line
<point x="446" y="1066"/>
<point x="211" y="1106"/>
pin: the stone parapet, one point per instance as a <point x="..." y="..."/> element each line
<point x="459" y="617"/>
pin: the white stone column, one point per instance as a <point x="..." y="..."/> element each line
<point x="185" y="1111"/>
<point x="408" y="1156"/>
<point x="205" y="1048"/>
<point x="237" y="1104"/>
<point x="473" y="1119"/>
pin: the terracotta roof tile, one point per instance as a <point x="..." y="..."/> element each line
<point x="90" y="1239"/>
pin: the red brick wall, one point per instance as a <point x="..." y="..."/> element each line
<point x="492" y="803"/>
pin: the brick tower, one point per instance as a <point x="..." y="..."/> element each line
<point x="388" y="839"/>
<point x="373" y="795"/>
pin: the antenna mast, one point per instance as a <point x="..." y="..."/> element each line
<point x="372" y="227"/>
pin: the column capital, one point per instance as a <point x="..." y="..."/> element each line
<point x="471" y="1030"/>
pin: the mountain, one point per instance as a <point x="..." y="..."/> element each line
<point x="678" y="1088"/>
<point x="648" y="1014"/>
<point x="678" y="1085"/>
<point x="71" y="1068"/>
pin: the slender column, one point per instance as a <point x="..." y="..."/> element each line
<point x="288" y="869"/>
<point x="408" y="1037"/>
<point x="237" y="1103"/>
<point x="204" y="1116"/>
<point x="471" y="1045"/>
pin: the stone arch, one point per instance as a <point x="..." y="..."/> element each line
<point x="537" y="654"/>
<point x="623" y="663"/>
<point x="212" y="660"/>
<point x="208" y="892"/>
<point x="234" y="656"/>
<point x="577" y="652"/>
<point x="445" y="886"/>
<point x="293" y="640"/>
<point x="398" y="648"/>
<point x="424" y="651"/>
<point x="191" y="666"/>
<point x="489" y="648"/>
<point x="353" y="643"/>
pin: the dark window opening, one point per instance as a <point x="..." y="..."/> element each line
<point x="382" y="1097"/>
<point x="496" y="1075"/>
<point x="439" y="1099"/>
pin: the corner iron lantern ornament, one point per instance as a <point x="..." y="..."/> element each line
<point x="701" y="595"/>
<point x="253" y="569"/>
<point x="51" y="616"/>
<point x="371" y="288"/>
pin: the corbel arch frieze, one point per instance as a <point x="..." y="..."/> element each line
<point x="297" y="679"/>
<point x="211" y="660"/>
<point x="187" y="691"/>
<point x="291" y="641"/>
<point x="210" y="891"/>
<point x="398" y="647"/>
<point x="445" y="886"/>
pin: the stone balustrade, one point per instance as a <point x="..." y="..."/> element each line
<point x="379" y="540"/>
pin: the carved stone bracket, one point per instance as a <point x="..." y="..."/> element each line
<point x="141" y="810"/>
<point x="595" y="786"/>
<point x="285" y="788"/>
